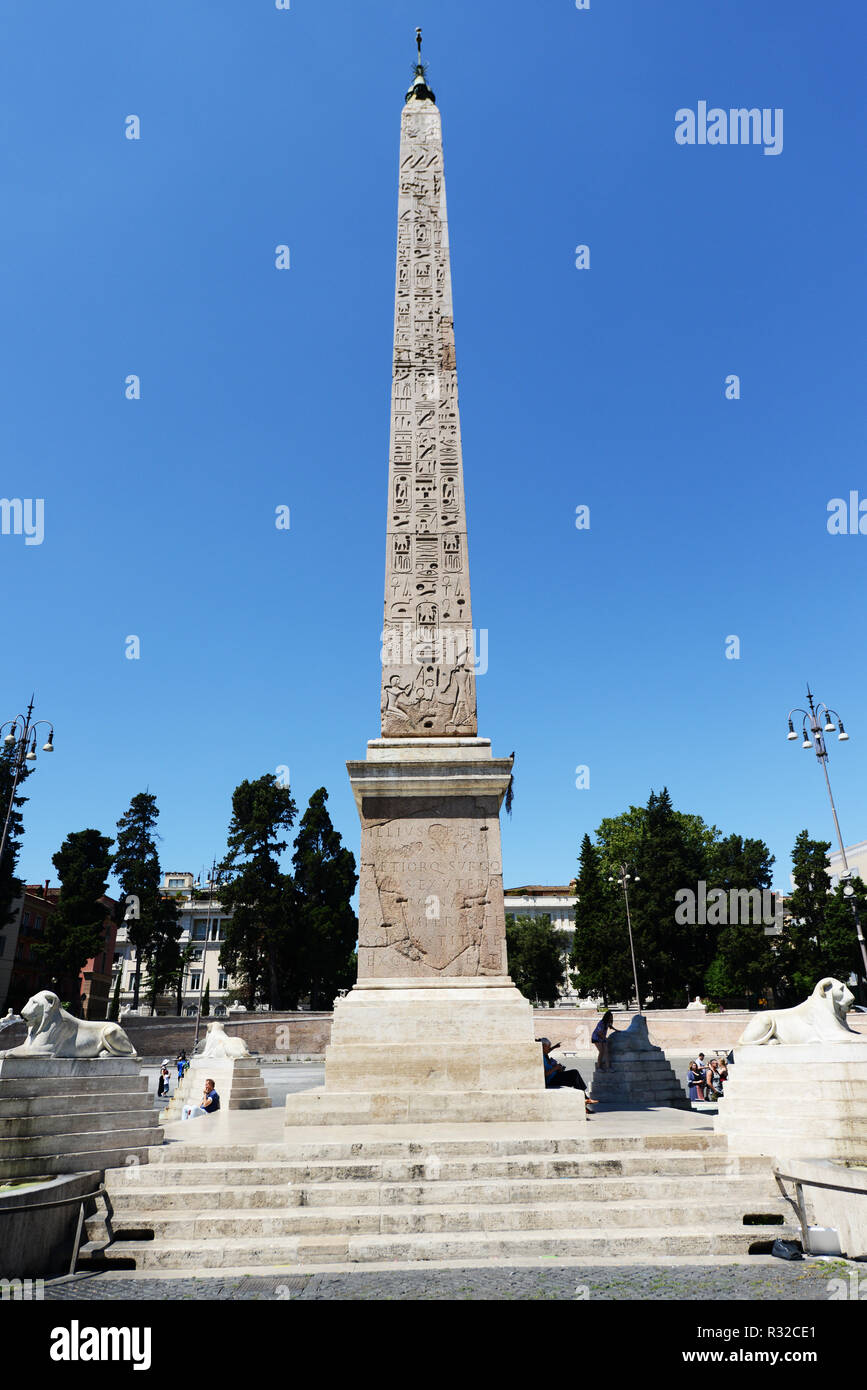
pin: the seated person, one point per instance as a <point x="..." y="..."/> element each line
<point x="209" y="1106"/>
<point x="556" y="1074"/>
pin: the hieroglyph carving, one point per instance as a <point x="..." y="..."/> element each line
<point x="428" y="678"/>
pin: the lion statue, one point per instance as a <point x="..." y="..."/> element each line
<point x="821" y="1018"/>
<point x="218" y="1043"/>
<point x="52" y="1032"/>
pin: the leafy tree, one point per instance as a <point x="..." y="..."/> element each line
<point x="185" y="955"/>
<point x="600" y="948"/>
<point x="821" y="937"/>
<point x="11" y="887"/>
<point x="257" y="894"/>
<point x="137" y="867"/>
<point x="743" y="961"/>
<point x="163" y="952"/>
<point x="535" y="954"/>
<point x="620" y="838"/>
<point x="670" y="856"/>
<point x="324" y="926"/>
<point x="114" y="1003"/>
<point x="75" y="931"/>
<point x="206" y="1000"/>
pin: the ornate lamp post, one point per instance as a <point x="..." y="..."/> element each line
<point x="818" y="721"/>
<point x="22" y="732"/>
<point x="623" y="878"/>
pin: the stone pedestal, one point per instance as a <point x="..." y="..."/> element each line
<point x="798" y="1100"/>
<point x="434" y="1030"/>
<point x="238" y="1081"/>
<point x="433" y="1050"/>
<point x="639" y="1072"/>
<point x="59" y="1116"/>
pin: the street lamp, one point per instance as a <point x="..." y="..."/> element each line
<point x="623" y="878"/>
<point x="818" y="721"/>
<point x="22" y="732"/>
<point x="211" y="882"/>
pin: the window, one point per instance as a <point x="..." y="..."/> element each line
<point x="200" y="931"/>
<point x="175" y="883"/>
<point x="196" y="980"/>
<point x="198" y="952"/>
<point x="222" y="980"/>
<point x="25" y="919"/>
<point x="190" y="1010"/>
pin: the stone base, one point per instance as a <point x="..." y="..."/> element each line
<point x="428" y="1050"/>
<point x="69" y="1116"/>
<point x="799" y="1100"/>
<point x="238" y="1081"/>
<point x="638" y="1072"/>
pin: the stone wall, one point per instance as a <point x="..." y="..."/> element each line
<point x="307" y="1034"/>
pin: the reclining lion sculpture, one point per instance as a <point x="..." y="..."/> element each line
<point x="52" y="1032"/>
<point x="821" y="1018"/>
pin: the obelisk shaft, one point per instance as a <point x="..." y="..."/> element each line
<point x="428" y="684"/>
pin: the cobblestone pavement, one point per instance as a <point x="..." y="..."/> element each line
<point x="747" y="1283"/>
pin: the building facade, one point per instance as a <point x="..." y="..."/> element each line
<point x="202" y="921"/>
<point x="558" y="903"/>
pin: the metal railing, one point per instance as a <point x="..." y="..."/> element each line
<point x="82" y="1199"/>
<point x="797" y="1202"/>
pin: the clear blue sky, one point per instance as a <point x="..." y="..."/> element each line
<point x="605" y="387"/>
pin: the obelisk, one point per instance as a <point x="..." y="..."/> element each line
<point x="434" y="1028"/>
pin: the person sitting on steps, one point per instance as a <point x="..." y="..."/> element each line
<point x="556" y="1074"/>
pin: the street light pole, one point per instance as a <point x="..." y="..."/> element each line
<point x="23" y="755"/>
<point x="204" y="954"/>
<point x="623" y="876"/>
<point x="817" y="742"/>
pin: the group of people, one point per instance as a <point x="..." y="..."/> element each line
<point x="164" y="1081"/>
<point x="707" y="1078"/>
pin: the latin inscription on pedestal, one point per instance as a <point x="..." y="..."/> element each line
<point x="431" y="888"/>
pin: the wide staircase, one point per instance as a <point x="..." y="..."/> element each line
<point x="382" y="1200"/>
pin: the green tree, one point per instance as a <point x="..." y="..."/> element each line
<point x="743" y="962"/>
<point x="75" y="931"/>
<point x="669" y="856"/>
<point x="535" y="954"/>
<point x="324" y="926"/>
<point x="137" y="868"/>
<point x="114" y="1004"/>
<point x="163" y="953"/>
<point x="206" y="1000"/>
<point x="258" y="894"/>
<point x="821" y="936"/>
<point x="600" y="948"/>
<point x="11" y="887"/>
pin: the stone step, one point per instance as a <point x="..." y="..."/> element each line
<point x="84" y="1161"/>
<point x="545" y="1166"/>
<point x="142" y="1192"/>
<point x="77" y="1102"/>
<point x="31" y="1127"/>
<point x="253" y="1252"/>
<point x="234" y="1223"/>
<point x="82" y="1141"/>
<point x="109" y="1083"/>
<point x="326" y="1148"/>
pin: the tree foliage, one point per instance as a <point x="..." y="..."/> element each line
<point x="324" y="925"/>
<point x="137" y="868"/>
<point x="821" y="938"/>
<point x="75" y="930"/>
<point x="258" y="894"/>
<point x="535" y="954"/>
<point x="600" y="949"/>
<point x="11" y="887"/>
